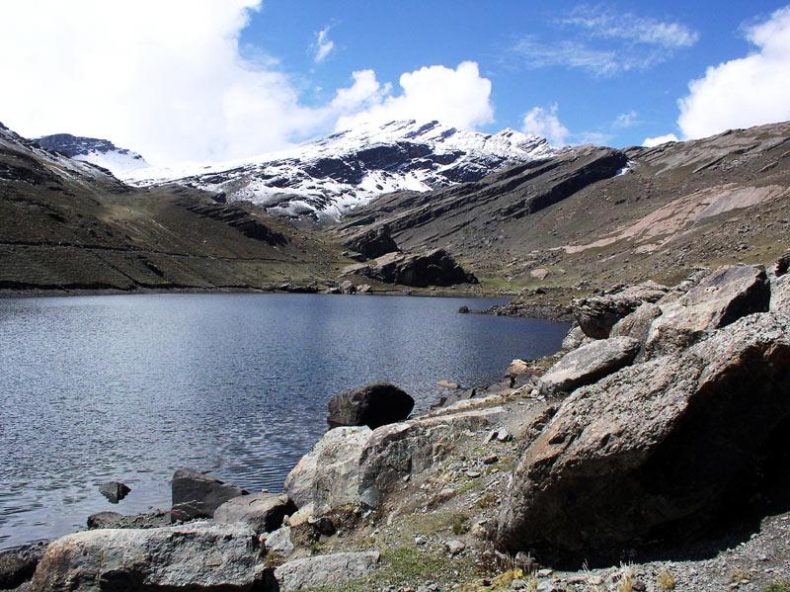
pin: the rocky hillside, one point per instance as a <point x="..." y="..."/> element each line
<point x="649" y="454"/>
<point x="328" y="177"/>
<point x="592" y="218"/>
<point x="102" y="153"/>
<point x="68" y="225"/>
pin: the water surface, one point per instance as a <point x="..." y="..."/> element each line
<point x="131" y="387"/>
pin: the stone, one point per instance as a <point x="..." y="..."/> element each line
<point x="279" y="542"/>
<point x="448" y="384"/>
<point x="575" y="338"/>
<point x="597" y="315"/>
<point x="637" y="324"/>
<point x="658" y="452"/>
<point x="455" y="547"/>
<point x="347" y="287"/>
<point x="464" y="310"/>
<point x="197" y="495"/>
<point x="719" y="299"/>
<point x="114" y="491"/>
<point x="409" y="448"/>
<point x="374" y="405"/>
<point x="780" y="295"/>
<point x="115" y="520"/>
<point x="328" y="475"/>
<point x="200" y="556"/>
<point x="519" y="368"/>
<point x="17" y="564"/>
<point x="374" y="243"/>
<point x="263" y="512"/>
<point x="364" y="288"/>
<point x="321" y="571"/>
<point x="432" y="268"/>
<point x="588" y="364"/>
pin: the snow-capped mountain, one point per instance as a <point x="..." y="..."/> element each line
<point x="102" y="153"/>
<point x="328" y="177"/>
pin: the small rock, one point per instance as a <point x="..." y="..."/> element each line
<point x="490" y="460"/>
<point x="455" y="547"/>
<point x="472" y="474"/>
<point x="464" y="310"/>
<point x="448" y="384"/>
<point x="114" y="491"/>
<point x="503" y="435"/>
<point x="545" y="573"/>
<point x="420" y="540"/>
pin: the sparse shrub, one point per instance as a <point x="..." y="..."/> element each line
<point x="665" y="580"/>
<point x="626" y="581"/>
<point x="778" y="586"/>
<point x="739" y="575"/>
<point x="459" y="524"/>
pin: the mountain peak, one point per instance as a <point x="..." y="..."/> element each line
<point x="94" y="150"/>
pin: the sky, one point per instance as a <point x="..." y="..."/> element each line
<point x="209" y="80"/>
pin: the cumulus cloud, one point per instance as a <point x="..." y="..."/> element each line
<point x="606" y="42"/>
<point x="626" y="120"/>
<point x="546" y="123"/>
<point x="658" y="140"/>
<point x="748" y="91"/>
<point x="457" y="96"/>
<point x="323" y="45"/>
<point x="170" y="80"/>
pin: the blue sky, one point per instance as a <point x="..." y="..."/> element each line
<point x="397" y="37"/>
<point x="212" y="80"/>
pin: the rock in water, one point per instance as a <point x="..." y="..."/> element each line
<point x="17" y="564"/>
<point x="114" y="491"/>
<point x="589" y="363"/>
<point x="659" y="451"/>
<point x="263" y="512"/>
<point x="197" y="495"/>
<point x="190" y="557"/>
<point x="374" y="405"/>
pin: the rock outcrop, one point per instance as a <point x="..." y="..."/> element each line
<point x="17" y="564"/>
<point x="324" y="570"/>
<point x="589" y="363"/>
<point x="598" y="314"/>
<point x="658" y="451"/>
<point x="374" y="405"/>
<point x="262" y="512"/>
<point x="114" y="491"/>
<point x="197" y="495"/>
<point x="115" y="520"/>
<point x="202" y="556"/>
<point x="431" y="268"/>
<point x="373" y="243"/>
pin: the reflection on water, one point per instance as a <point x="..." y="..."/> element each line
<point x="132" y="387"/>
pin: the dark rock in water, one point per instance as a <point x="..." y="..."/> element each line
<point x="433" y="268"/>
<point x="17" y="564"/>
<point x="373" y="243"/>
<point x="464" y="310"/>
<point x="116" y="520"/>
<point x="659" y="452"/>
<point x="374" y="405"/>
<point x="197" y="495"/>
<point x="114" y="491"/>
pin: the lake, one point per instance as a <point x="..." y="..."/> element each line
<point x="101" y="388"/>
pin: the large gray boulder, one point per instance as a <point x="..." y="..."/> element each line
<point x="780" y="295"/>
<point x="373" y="243"/>
<point x="409" y="448"/>
<point x="720" y="299"/>
<point x="374" y="405"/>
<point x="200" y="556"/>
<point x="597" y="315"/>
<point x="263" y="512"/>
<point x="17" y="564"/>
<point x="197" y="495"/>
<point x="153" y="519"/>
<point x="637" y="324"/>
<point x="328" y="475"/>
<point x="659" y="451"/>
<point x="432" y="268"/>
<point x="323" y="571"/>
<point x="589" y="363"/>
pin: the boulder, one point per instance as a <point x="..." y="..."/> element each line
<point x="432" y="268"/>
<point x="637" y="324"/>
<point x="201" y="556"/>
<point x="720" y="299"/>
<point x="279" y="544"/>
<point x="322" y="571"/>
<point x="17" y="564"/>
<point x="782" y="265"/>
<point x="589" y="363"/>
<point x="399" y="450"/>
<point x="597" y="315"/>
<point x="116" y="520"/>
<point x="328" y="475"/>
<point x="374" y="405"/>
<point x="197" y="495"/>
<point x="657" y="452"/>
<point x="575" y="338"/>
<point x="373" y="243"/>
<point x="347" y="287"/>
<point x="263" y="512"/>
<point x="780" y="295"/>
<point x="114" y="491"/>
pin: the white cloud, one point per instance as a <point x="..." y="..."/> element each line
<point x="658" y="140"/>
<point x="459" y="97"/>
<point x="606" y="43"/>
<point x="626" y="120"/>
<point x="169" y="80"/>
<point x="546" y="123"/>
<point x="748" y="91"/>
<point x="323" y="45"/>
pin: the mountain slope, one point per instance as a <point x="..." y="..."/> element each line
<point x="69" y="225"/>
<point x="594" y="217"/>
<point x="328" y="177"/>
<point x="102" y="153"/>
